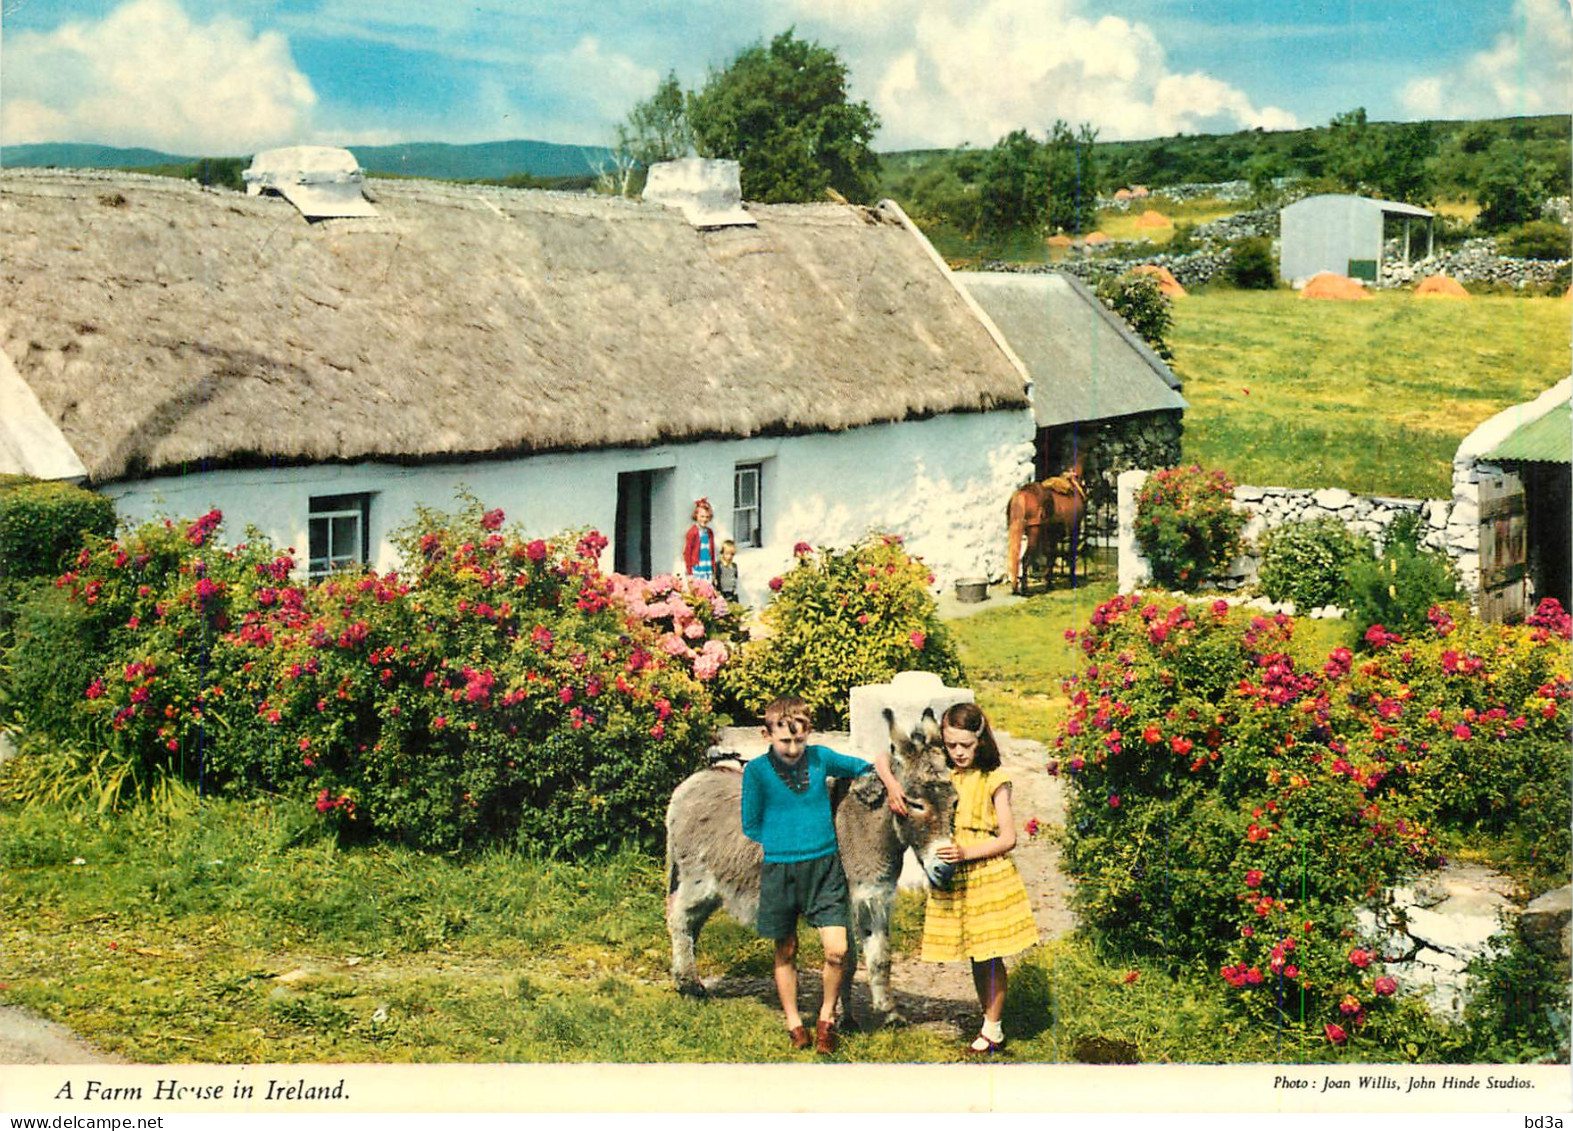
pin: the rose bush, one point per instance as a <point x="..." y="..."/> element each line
<point x="501" y="688"/>
<point x="1186" y="524"/>
<point x="841" y="618"/>
<point x="1230" y="808"/>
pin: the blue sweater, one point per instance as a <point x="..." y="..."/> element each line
<point x="794" y="826"/>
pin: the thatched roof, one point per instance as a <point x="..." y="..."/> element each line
<point x="160" y="324"/>
<point x="1086" y="363"/>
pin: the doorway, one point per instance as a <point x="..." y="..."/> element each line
<point x="642" y="540"/>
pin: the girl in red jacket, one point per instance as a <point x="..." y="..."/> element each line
<point x="699" y="545"/>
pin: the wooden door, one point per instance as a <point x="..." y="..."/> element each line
<point x="1504" y="548"/>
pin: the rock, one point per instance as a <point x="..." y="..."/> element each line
<point x="1462" y="933"/>
<point x="1546" y="923"/>
<point x="1424" y="892"/>
<point x="1333" y="498"/>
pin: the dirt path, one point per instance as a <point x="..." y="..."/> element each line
<point x="26" y="1038"/>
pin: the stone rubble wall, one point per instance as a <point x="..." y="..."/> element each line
<point x="1452" y="525"/>
<point x="1115" y="446"/>
<point x="1477" y="261"/>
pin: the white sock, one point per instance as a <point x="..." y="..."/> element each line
<point x="993" y="1030"/>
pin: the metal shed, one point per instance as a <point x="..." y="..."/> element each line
<point x="1341" y="234"/>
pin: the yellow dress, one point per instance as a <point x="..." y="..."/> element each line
<point x="984" y="913"/>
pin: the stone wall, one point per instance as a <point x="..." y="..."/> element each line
<point x="1451" y="525"/>
<point x="1116" y="446"/>
<point x="1477" y="261"/>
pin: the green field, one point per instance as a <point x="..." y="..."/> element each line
<point x="1371" y="396"/>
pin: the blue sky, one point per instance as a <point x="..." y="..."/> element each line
<point x="210" y="76"/>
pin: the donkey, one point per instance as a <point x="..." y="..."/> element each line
<point x="711" y="864"/>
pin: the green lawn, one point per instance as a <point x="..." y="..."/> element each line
<point x="1371" y="396"/>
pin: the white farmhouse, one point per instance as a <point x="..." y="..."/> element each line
<point x="814" y="370"/>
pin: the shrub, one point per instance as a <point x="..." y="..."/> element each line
<point x="1308" y="562"/>
<point x="1229" y="808"/>
<point x="839" y="619"/>
<point x="40" y="523"/>
<point x="1398" y="589"/>
<point x="1186" y="524"/>
<point x="504" y="690"/>
<point x="1251" y="264"/>
<point x="1137" y="298"/>
<point x="1539" y="239"/>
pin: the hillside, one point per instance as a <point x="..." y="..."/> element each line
<point x="488" y="160"/>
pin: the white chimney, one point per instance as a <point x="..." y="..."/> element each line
<point x="320" y="180"/>
<point x="707" y="191"/>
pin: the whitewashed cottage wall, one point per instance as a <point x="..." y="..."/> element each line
<point x="941" y="483"/>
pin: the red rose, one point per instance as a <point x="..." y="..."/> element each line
<point x="1335" y="1033"/>
<point x="775" y="585"/>
<point x="1385" y="985"/>
<point x="1360" y="958"/>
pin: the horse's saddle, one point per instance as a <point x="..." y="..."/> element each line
<point x="1063" y="485"/>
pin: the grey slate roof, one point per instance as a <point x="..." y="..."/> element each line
<point x="1086" y="363"/>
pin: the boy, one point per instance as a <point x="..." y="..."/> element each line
<point x="726" y="571"/>
<point x="786" y="808"/>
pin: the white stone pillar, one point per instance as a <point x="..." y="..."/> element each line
<point x="1134" y="571"/>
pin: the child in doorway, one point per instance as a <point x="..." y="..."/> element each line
<point x="984" y="914"/>
<point x="699" y="548"/>
<point x="726" y="571"/>
<point x="786" y="808"/>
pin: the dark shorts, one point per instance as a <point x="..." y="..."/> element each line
<point x="815" y="889"/>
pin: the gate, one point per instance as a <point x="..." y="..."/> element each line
<point x="1504" y="549"/>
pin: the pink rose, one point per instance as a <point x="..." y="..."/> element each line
<point x="917" y="640"/>
<point x="1360" y="958"/>
<point x="1335" y="1033"/>
<point x="775" y="585"/>
<point x="1385" y="985"/>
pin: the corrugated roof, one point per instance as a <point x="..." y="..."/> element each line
<point x="1546" y="439"/>
<point x="1086" y="363"/>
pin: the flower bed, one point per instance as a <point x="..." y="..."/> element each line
<point x="504" y="688"/>
<point x="1232" y="809"/>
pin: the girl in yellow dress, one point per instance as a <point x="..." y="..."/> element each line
<point x="984" y="914"/>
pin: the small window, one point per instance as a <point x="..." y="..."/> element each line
<point x="747" y="491"/>
<point x="340" y="533"/>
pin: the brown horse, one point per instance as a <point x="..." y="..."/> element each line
<point x="1042" y="517"/>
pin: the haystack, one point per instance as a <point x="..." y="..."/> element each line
<point x="1060" y="241"/>
<point x="1153" y="219"/>
<point x="1095" y="238"/>
<point x="1167" y="283"/>
<point x="1441" y="286"/>
<point x="1139" y="191"/>
<point x="1123" y="194"/>
<point x="1328" y="284"/>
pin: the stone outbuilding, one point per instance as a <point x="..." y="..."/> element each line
<point x="1099" y="392"/>
<point x="1342" y="234"/>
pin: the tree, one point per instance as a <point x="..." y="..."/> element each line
<point x="1014" y="188"/>
<point x="783" y="113"/>
<point x="1349" y="150"/>
<point x="1508" y="189"/>
<point x="1404" y="163"/>
<point x="657" y="129"/>
<point x="1138" y="299"/>
<point x="1073" y="177"/>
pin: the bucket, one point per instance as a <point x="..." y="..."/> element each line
<point x="970" y="590"/>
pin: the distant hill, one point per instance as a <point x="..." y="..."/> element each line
<point x="489" y="160"/>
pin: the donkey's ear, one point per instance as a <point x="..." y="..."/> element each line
<point x="928" y="727"/>
<point x="900" y="744"/>
<point x="868" y="789"/>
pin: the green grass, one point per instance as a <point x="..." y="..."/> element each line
<point x="1370" y="396"/>
<point x="1202" y="210"/>
<point x="277" y="950"/>
<point x="1016" y="656"/>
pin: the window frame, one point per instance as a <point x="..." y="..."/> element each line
<point x="355" y="505"/>
<point x="756" y="539"/>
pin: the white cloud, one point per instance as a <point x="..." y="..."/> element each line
<point x="1528" y="70"/>
<point x="604" y="83"/>
<point x="969" y="71"/>
<point x="146" y="74"/>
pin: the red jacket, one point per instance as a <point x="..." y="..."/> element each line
<point x="691" y="548"/>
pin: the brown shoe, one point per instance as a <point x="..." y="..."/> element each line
<point x="825" y="1037"/>
<point x="798" y="1036"/>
